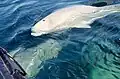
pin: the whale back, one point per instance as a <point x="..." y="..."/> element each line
<point x="75" y="16"/>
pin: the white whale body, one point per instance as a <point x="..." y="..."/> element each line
<point x="75" y="16"/>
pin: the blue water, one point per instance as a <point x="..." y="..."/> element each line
<point x="72" y="54"/>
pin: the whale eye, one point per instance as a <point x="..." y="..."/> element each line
<point x="43" y="20"/>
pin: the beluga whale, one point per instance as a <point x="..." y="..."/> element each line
<point x="72" y="16"/>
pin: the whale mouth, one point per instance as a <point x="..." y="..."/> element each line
<point x="34" y="33"/>
<point x="38" y="34"/>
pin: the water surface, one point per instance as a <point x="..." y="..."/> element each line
<point x="71" y="54"/>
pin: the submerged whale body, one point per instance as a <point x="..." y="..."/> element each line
<point x="75" y="16"/>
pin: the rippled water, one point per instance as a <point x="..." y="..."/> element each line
<point x="71" y="54"/>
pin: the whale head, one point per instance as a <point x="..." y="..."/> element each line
<point x="41" y="27"/>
